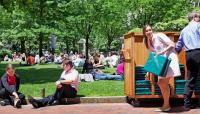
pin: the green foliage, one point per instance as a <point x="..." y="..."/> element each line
<point x="197" y="9"/>
<point x="1" y="44"/>
<point x="136" y="30"/>
<point x="116" y="45"/>
<point x="57" y="51"/>
<point x="153" y="11"/>
<point x="174" y="25"/>
<point x="4" y="52"/>
<point x="28" y="23"/>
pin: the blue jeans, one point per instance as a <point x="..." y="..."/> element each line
<point x="102" y="76"/>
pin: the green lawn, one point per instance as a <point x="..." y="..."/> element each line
<point x="34" y="78"/>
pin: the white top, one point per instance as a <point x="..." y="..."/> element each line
<point x="71" y="75"/>
<point x="159" y="43"/>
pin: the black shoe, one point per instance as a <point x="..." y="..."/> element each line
<point x="17" y="103"/>
<point x="33" y="102"/>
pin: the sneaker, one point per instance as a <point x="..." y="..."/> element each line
<point x="17" y="103"/>
<point x="33" y="102"/>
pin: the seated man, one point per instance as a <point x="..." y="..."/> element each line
<point x="30" y="60"/>
<point x="66" y="87"/>
<point x="9" y="86"/>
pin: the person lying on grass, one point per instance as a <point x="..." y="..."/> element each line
<point x="66" y="87"/>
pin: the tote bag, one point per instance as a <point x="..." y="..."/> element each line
<point x="157" y="64"/>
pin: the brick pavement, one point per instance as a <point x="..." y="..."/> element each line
<point x="101" y="108"/>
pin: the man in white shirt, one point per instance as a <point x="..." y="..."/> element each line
<point x="66" y="87"/>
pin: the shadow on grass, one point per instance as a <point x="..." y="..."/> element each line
<point x="38" y="76"/>
<point x="35" y="74"/>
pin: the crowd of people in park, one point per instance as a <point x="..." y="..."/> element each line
<point x="101" y="60"/>
<point x="93" y="65"/>
<point x="67" y="84"/>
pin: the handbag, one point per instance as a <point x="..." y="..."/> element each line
<point x="157" y="64"/>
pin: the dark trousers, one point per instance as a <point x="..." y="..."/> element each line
<point x="66" y="91"/>
<point x="193" y="71"/>
<point x="9" y="99"/>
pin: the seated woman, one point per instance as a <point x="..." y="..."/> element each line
<point x="98" y="62"/>
<point x="6" y="58"/>
<point x="9" y="86"/>
<point x="23" y="57"/>
<point x="88" y="67"/>
<point x="87" y="71"/>
<point x="120" y="66"/>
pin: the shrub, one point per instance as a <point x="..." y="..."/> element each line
<point x="4" y="52"/>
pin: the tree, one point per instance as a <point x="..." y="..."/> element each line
<point x="84" y="19"/>
<point x="111" y="24"/>
<point x="153" y="11"/>
<point x="29" y="23"/>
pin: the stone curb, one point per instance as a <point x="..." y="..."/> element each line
<point x="107" y="99"/>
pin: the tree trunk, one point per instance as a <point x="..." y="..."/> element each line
<point x="53" y="51"/>
<point x="40" y="44"/>
<point x="41" y="6"/>
<point x="109" y="42"/>
<point x="89" y="29"/>
<point x="23" y="49"/>
<point x="67" y="46"/>
<point x="87" y="47"/>
<point x="109" y="45"/>
<point x="74" y="45"/>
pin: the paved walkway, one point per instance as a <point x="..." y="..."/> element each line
<point x="106" y="108"/>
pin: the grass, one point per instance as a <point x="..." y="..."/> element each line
<point x="34" y="78"/>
